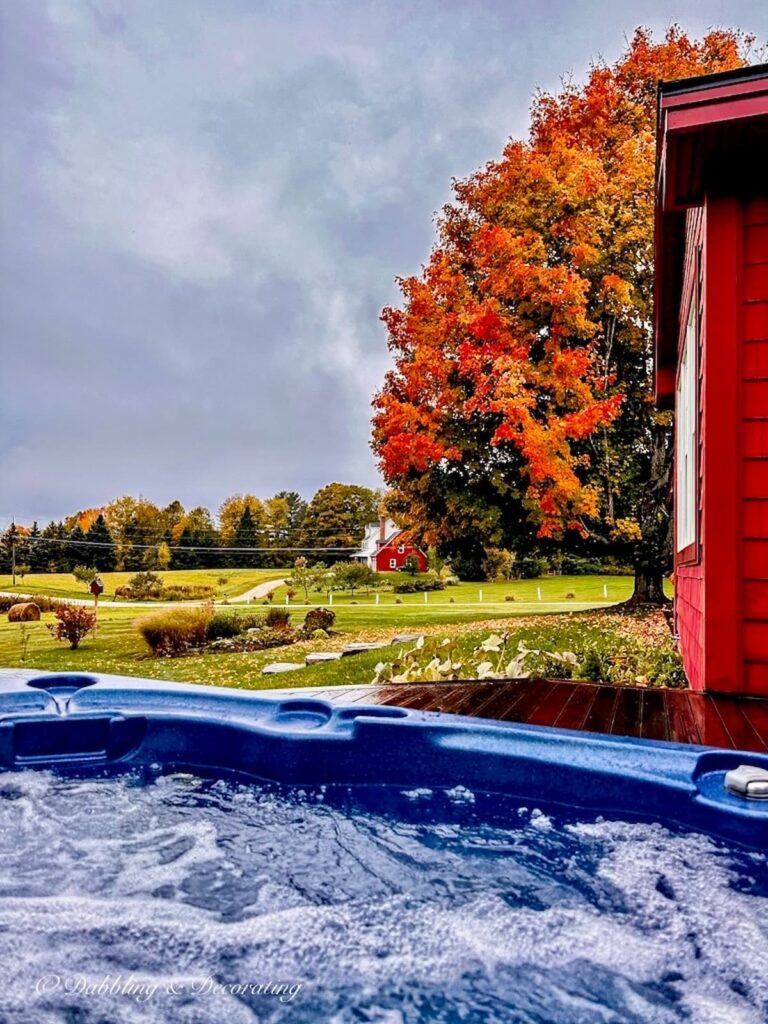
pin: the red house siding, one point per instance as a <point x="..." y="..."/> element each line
<point x="753" y="446"/>
<point x="391" y="552"/>
<point x="712" y="250"/>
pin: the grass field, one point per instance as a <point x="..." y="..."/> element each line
<point x="117" y="647"/>
<point x="64" y="584"/>
<point x="542" y="595"/>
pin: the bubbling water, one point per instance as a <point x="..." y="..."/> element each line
<point x="171" y="898"/>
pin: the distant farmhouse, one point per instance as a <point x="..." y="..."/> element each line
<point x="385" y="550"/>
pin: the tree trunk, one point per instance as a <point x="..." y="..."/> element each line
<point x="649" y="588"/>
<point x="653" y="554"/>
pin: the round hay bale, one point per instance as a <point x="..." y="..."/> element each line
<point x="25" y="611"/>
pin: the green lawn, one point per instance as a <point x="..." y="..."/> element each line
<point x="118" y="649"/>
<point x="63" y="584"/>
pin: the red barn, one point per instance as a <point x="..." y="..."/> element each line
<point x="712" y="366"/>
<point x="385" y="549"/>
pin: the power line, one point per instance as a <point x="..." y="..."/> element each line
<point x="171" y="547"/>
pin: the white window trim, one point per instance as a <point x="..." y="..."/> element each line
<point x="686" y="438"/>
<point x="393" y="563"/>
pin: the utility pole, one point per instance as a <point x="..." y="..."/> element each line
<point x="13" y="552"/>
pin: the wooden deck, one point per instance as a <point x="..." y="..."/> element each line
<point x="739" y="723"/>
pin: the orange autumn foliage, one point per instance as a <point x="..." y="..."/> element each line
<point x="543" y="255"/>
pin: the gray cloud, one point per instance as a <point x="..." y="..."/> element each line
<point x="204" y="205"/>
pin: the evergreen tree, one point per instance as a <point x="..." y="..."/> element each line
<point x="53" y="554"/>
<point x="102" y="558"/>
<point x="297" y="509"/>
<point x="76" y="553"/>
<point x="182" y="558"/>
<point x="199" y="532"/>
<point x="36" y="550"/>
<point x="245" y="536"/>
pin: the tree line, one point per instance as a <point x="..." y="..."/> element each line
<point x="133" y="533"/>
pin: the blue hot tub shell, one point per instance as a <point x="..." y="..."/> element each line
<point x="93" y="722"/>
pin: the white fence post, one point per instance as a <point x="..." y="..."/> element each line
<point x="605" y="591"/>
<point x="480" y="596"/>
<point x="378" y="598"/>
<point x="538" y="593"/>
<point x="330" y="597"/>
<point x="426" y="597"/>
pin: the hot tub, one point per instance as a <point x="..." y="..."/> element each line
<point x="187" y="853"/>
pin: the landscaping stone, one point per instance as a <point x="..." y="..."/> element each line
<point x="407" y="638"/>
<point x="319" y="656"/>
<point x="362" y="648"/>
<point x="281" y="666"/>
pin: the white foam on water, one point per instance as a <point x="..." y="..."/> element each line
<point x="595" y="921"/>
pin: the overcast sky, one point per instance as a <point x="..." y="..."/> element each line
<point x="204" y="205"/>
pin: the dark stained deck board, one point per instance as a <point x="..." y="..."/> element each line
<point x="628" y="713"/>
<point x="715" y="720"/>
<point x="602" y="712"/>
<point x="739" y="728"/>
<point x="683" y="727"/>
<point x="551" y="706"/>
<point x="655" y="721"/>
<point x="578" y="707"/>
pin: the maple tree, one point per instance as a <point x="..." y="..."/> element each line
<point x="519" y="408"/>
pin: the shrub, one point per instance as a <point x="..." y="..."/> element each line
<point x="468" y="566"/>
<point x="277" y="618"/>
<point x="398" y="600"/>
<point x="498" y="564"/>
<point x="229" y="624"/>
<point x="530" y="567"/>
<point x="74" y="623"/>
<point x="173" y="630"/>
<point x="419" y="584"/>
<point x="411" y="565"/>
<point x="569" y="595"/>
<point x="319" y="618"/>
<point x="144" y="585"/>
<point x="256" y="640"/>
<point x="187" y="592"/>
<point x="84" y="574"/>
<point x="509" y="597"/>
<point x="24" y="611"/>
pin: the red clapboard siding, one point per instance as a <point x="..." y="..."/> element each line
<point x="755" y="439"/>
<point x="755" y="478"/>
<point x="755" y="563"/>
<point x="756" y="677"/>
<point x="756" y="321"/>
<point x="755" y="360"/>
<point x="755" y="243"/>
<point x="756" y="599"/>
<point x="755" y="517"/>
<point x="755" y="283"/>
<point x="755" y="398"/>
<point x="755" y="640"/>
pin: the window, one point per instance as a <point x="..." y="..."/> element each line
<point x="401" y="549"/>
<point x="393" y="563"/>
<point x="686" y="441"/>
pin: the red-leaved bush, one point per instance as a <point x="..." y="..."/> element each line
<point x="74" y="622"/>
